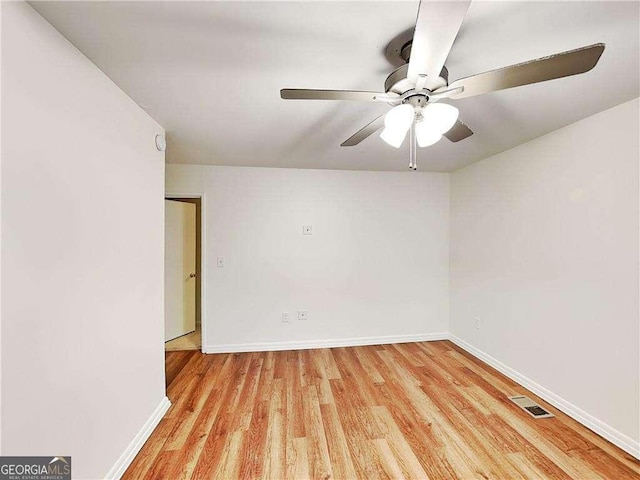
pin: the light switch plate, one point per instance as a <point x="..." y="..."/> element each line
<point x="220" y="261"/>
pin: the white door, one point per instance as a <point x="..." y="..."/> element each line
<point x="179" y="269"/>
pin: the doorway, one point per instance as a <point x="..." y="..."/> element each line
<point x="183" y="274"/>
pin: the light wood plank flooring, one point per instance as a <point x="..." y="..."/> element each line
<point x="415" y="410"/>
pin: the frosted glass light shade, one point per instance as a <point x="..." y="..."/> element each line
<point x="426" y="134"/>
<point x="440" y="116"/>
<point x="393" y="137"/>
<point x="396" y="124"/>
<point x="399" y="117"/>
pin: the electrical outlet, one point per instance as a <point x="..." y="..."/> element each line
<point x="307" y="230"/>
<point x="477" y="323"/>
<point x="220" y="262"/>
<point x="303" y="315"/>
<point x="285" y="317"/>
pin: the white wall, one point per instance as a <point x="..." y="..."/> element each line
<point x="82" y="253"/>
<point x="375" y="266"/>
<point x="544" y="250"/>
<point x="0" y="238"/>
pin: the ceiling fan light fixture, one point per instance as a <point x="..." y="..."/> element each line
<point x="393" y="136"/>
<point x="397" y="123"/>
<point x="400" y="117"/>
<point x="426" y="135"/>
<point x="440" y="116"/>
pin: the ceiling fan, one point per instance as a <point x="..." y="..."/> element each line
<point x="415" y="88"/>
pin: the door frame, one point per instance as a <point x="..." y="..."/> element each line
<point x="203" y="262"/>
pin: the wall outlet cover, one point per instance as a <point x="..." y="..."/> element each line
<point x="307" y="230"/>
<point x="303" y="315"/>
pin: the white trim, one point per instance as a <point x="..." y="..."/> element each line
<point x="332" y="343"/>
<point x="136" y="444"/>
<point x="616" y="437"/>
<point x="203" y="256"/>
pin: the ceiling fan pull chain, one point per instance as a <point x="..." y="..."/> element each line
<point x="412" y="147"/>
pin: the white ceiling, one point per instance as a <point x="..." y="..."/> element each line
<point x="211" y="72"/>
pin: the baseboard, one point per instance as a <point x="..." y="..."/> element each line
<point x="136" y="444"/>
<point x="307" y="344"/>
<point x="619" y="439"/>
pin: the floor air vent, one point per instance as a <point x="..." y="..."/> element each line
<point x="531" y="407"/>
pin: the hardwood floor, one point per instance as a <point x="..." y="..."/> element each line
<point x="415" y="410"/>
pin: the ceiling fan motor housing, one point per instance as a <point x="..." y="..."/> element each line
<point x="398" y="82"/>
<point x="417" y="101"/>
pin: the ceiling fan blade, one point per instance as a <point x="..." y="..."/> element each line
<point x="437" y="25"/>
<point x="559" y="65"/>
<point x="458" y="132"/>
<point x="364" y="132"/>
<point x="304" y="94"/>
